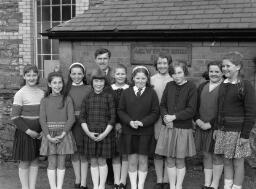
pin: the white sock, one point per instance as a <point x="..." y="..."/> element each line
<point x="133" y="179"/>
<point x="84" y="170"/>
<point x="95" y="177"/>
<point x="172" y="176"/>
<point x="23" y="175"/>
<point x="51" y="173"/>
<point x="124" y="172"/>
<point x="180" y="177"/>
<point x="103" y="176"/>
<point x="142" y="178"/>
<point x="33" y="170"/>
<point x="207" y="177"/>
<point x="60" y="178"/>
<point x="216" y="174"/>
<point x="228" y="184"/>
<point x="76" y="167"/>
<point x="236" y="187"/>
<point x="117" y="170"/>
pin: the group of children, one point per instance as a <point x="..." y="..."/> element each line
<point x="151" y="117"/>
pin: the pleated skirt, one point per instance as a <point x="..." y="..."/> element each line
<point x="79" y="135"/>
<point x="204" y="140"/>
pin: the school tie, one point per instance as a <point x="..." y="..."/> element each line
<point x="139" y="92"/>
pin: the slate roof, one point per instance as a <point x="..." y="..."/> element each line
<point x="136" y="15"/>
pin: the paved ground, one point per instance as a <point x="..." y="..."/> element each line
<point x="193" y="179"/>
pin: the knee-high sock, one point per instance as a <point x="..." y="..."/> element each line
<point x="124" y="172"/>
<point x="180" y="177"/>
<point x="84" y="171"/>
<point x="216" y="174"/>
<point x="117" y="170"/>
<point x="95" y="177"/>
<point x="228" y="184"/>
<point x="51" y="173"/>
<point x="165" y="179"/>
<point x="236" y="187"/>
<point x="207" y="177"/>
<point x="142" y="178"/>
<point x="23" y="175"/>
<point x="159" y="170"/>
<point x="33" y="170"/>
<point x="103" y="176"/>
<point x="76" y="167"/>
<point x="133" y="179"/>
<point x="172" y="176"/>
<point x="60" y="178"/>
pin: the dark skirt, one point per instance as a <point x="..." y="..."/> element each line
<point x="137" y="144"/>
<point x="105" y="148"/>
<point x="25" y="148"/>
<point x="79" y="136"/>
<point x="204" y="140"/>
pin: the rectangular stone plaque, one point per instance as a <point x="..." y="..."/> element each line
<point x="146" y="53"/>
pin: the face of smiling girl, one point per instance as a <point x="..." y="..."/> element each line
<point x="162" y="65"/>
<point x="179" y="75"/>
<point x="56" y="85"/>
<point x="98" y="85"/>
<point x="120" y="76"/>
<point x="140" y="80"/>
<point x="215" y="74"/>
<point x="230" y="70"/>
<point x="31" y="78"/>
<point x="76" y="74"/>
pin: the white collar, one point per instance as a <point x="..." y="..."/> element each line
<point x="136" y="89"/>
<point x="78" y="84"/>
<point x="233" y="82"/>
<point x="115" y="87"/>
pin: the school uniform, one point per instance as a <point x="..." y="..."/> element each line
<point x="144" y="108"/>
<point x="55" y="118"/>
<point x="98" y="111"/>
<point x="25" y="115"/>
<point x="178" y="100"/>
<point x="77" y="94"/>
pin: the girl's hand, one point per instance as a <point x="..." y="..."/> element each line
<point x="118" y="128"/>
<point x="32" y="134"/>
<point x="93" y="135"/>
<point x="133" y="125"/>
<point x="206" y="126"/>
<point x="53" y="139"/>
<point x="242" y="141"/>
<point x="169" y="118"/>
<point x="200" y="123"/>
<point x="100" y="137"/>
<point x="40" y="136"/>
<point x="63" y="134"/>
<point x="138" y="123"/>
<point x="169" y="125"/>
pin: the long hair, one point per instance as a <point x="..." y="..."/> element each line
<point x="49" y="89"/>
<point x="181" y="64"/>
<point x="27" y="69"/>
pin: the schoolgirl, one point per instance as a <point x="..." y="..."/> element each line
<point x="178" y="107"/>
<point x="206" y="112"/>
<point x="56" y="119"/>
<point x="25" y="116"/>
<point x="98" y="116"/>
<point x="78" y="89"/>
<point x="159" y="81"/>
<point x="235" y="119"/>
<point x="138" y="111"/>
<point x="120" y="169"/>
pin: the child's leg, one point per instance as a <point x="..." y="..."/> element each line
<point x="228" y="173"/>
<point x="238" y="173"/>
<point x="207" y="161"/>
<point x="116" y="169"/>
<point x="159" y="163"/>
<point x="217" y="170"/>
<point x="103" y="168"/>
<point x="181" y="171"/>
<point x="171" y="170"/>
<point x="165" y="179"/>
<point x="33" y="170"/>
<point x="24" y="174"/>
<point x="132" y="168"/>
<point x="60" y="170"/>
<point x="143" y="170"/>
<point x="76" y="166"/>
<point x="124" y="169"/>
<point x="51" y="171"/>
<point x="95" y="173"/>
<point x="84" y="170"/>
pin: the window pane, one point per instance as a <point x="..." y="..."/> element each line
<point x="38" y="2"/>
<point x="46" y="26"/>
<point x="39" y="62"/>
<point x="39" y="46"/>
<point x="73" y="2"/>
<point x="73" y="11"/>
<point x="66" y="1"/>
<point x="55" y="2"/>
<point x="39" y="14"/>
<point x="46" y="13"/>
<point x="38" y="29"/>
<point x="46" y="2"/>
<point x="66" y="13"/>
<point x="55" y="46"/>
<point x="46" y="46"/>
<point x="56" y="13"/>
<point x="55" y="57"/>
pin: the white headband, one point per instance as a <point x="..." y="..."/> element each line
<point x="138" y="67"/>
<point x="76" y="63"/>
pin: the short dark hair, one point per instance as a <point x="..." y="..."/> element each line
<point x="99" y="74"/>
<point x="234" y="57"/>
<point x="214" y="63"/>
<point x="163" y="55"/>
<point x="27" y="69"/>
<point x="179" y="63"/>
<point x="102" y="51"/>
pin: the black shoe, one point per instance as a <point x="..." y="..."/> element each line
<point x="77" y="185"/>
<point x="165" y="185"/>
<point x="116" y="186"/>
<point x="83" y="187"/>
<point x="122" y="186"/>
<point x="158" y="186"/>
